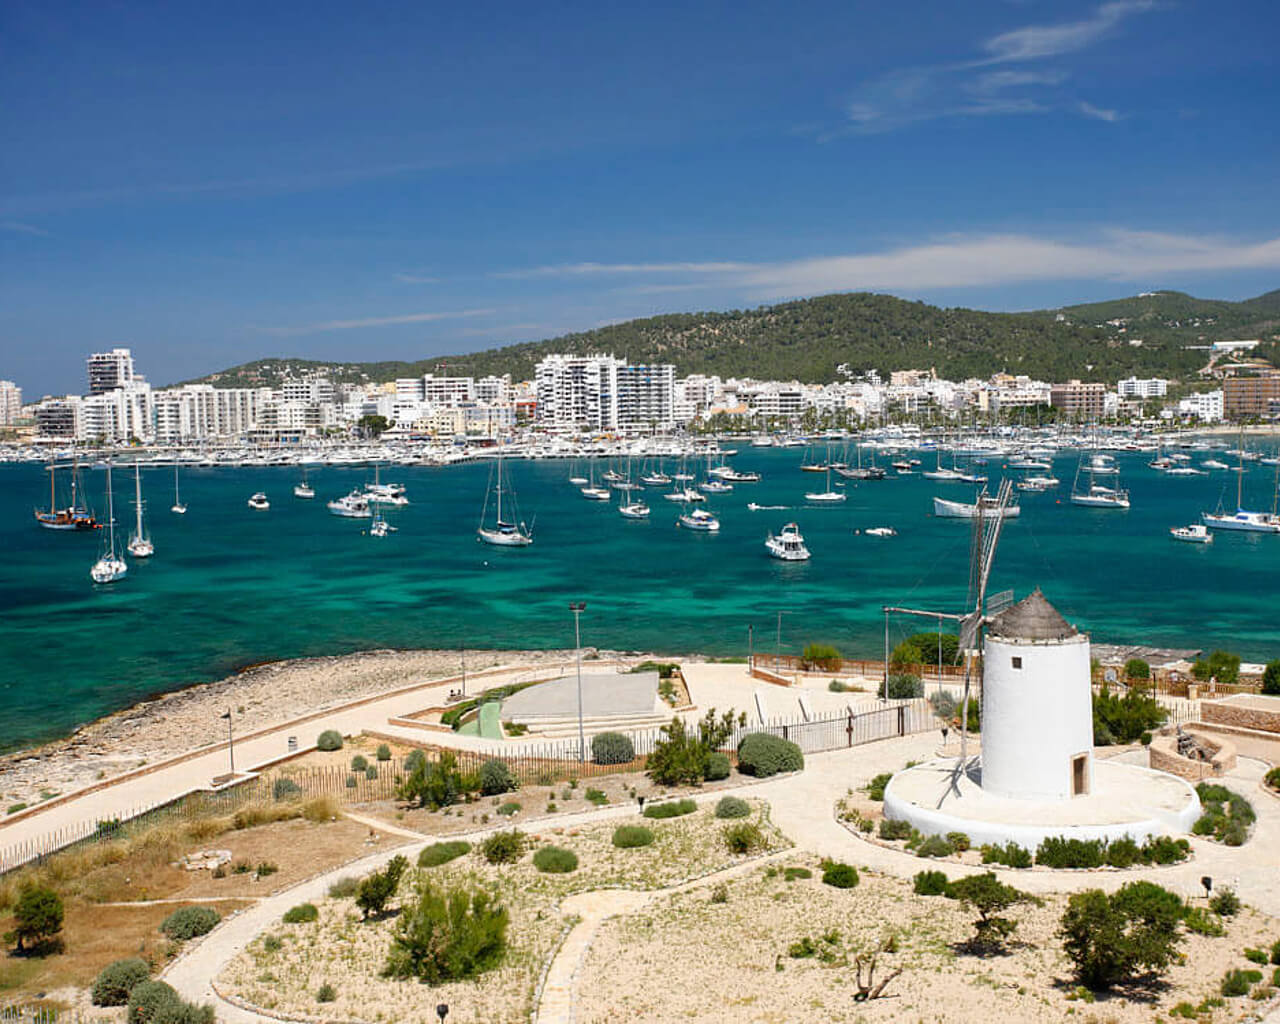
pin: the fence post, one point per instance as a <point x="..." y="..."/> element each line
<point x="902" y="719"/>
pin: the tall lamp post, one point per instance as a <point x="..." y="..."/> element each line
<point x="578" y="607"/>
<point x="777" y="657"/>
<point x="231" y="747"/>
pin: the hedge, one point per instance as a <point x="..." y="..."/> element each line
<point x="762" y="755"/>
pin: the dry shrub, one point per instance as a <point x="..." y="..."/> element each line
<point x="322" y="808"/>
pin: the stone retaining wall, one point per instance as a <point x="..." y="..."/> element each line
<point x="1242" y="715"/>
<point x="1163" y="756"/>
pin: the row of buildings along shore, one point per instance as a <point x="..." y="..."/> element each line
<point x="573" y="394"/>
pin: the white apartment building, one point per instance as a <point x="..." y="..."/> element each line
<point x="494" y="389"/>
<point x="10" y="403"/>
<point x="110" y="370"/>
<point x="439" y="391"/>
<point x="123" y="414"/>
<point x="201" y="412"/>
<point x="1206" y="406"/>
<point x="771" y="398"/>
<point x="313" y="390"/>
<point x="60" y="417"/>
<point x="1133" y="387"/>
<point x="409" y="389"/>
<point x="578" y="392"/>
<point x="646" y="397"/>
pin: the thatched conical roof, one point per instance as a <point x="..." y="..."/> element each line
<point x="1032" y="618"/>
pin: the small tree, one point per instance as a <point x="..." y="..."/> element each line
<point x="990" y="898"/>
<point x="433" y="784"/>
<point x="901" y="686"/>
<point x="820" y="656"/>
<point x="1222" y="664"/>
<point x="379" y="887"/>
<point x="37" y="918"/>
<point x="496" y="777"/>
<point x="1137" y="670"/>
<point x="1271" y="678"/>
<point x="447" y="936"/>
<point x="681" y="757"/>
<point x="1115" y="939"/>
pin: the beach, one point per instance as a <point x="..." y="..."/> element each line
<point x="261" y="696"/>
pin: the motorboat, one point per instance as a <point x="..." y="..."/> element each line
<point x="881" y="531"/>
<point x="686" y="495"/>
<point x="715" y="487"/>
<point x="595" y="493"/>
<point x="788" y="545"/>
<point x="1196" y="533"/>
<point x="1214" y="464"/>
<point x="351" y="506"/>
<point x="753" y="507"/>
<point x="304" y="490"/>
<point x="259" y="501"/>
<point x="700" y="520"/>
<point x="1242" y="521"/>
<point x="656" y="479"/>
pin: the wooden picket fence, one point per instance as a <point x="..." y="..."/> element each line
<point x="545" y="763"/>
<point x="791" y="663"/>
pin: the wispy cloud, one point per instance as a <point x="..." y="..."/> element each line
<point x="1037" y="41"/>
<point x="978" y="87"/>
<point x="601" y="269"/>
<point x="377" y="321"/>
<point x="415" y="279"/>
<point x="973" y="261"/>
<point x="22" y="229"/>
<point x="1101" y="113"/>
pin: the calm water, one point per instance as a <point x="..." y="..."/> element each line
<point x="230" y="586"/>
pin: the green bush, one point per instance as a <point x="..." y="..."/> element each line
<point x="379" y="887"/>
<point x="671" y="809"/>
<point x="1227" y="815"/>
<point x="595" y="796"/>
<point x="555" y="860"/>
<point x="744" y="837"/>
<point x="351" y="782"/>
<point x="330" y="739"/>
<point x="326" y="993"/>
<point x="1114" y="938"/>
<point x="665" y="669"/>
<point x="1123" y="852"/>
<point x="1237" y="982"/>
<point x="509" y="808"/>
<point x="959" y="841"/>
<point x="681" y="756"/>
<point x="303" y="913"/>
<point x="820" y="656"/>
<point x="1271" y="678"/>
<point x="922" y="649"/>
<point x="503" y="847"/>
<point x="1011" y="855"/>
<point x="763" y="755"/>
<point x="283" y="788"/>
<point x="155" y="1002"/>
<point x="875" y="788"/>
<point x="1222" y="664"/>
<point x="1136" y="668"/>
<point x="1165" y="850"/>
<point x="1203" y="922"/>
<point x="612" y="748"/>
<point x="732" y="807"/>
<point x="383" y="753"/>
<point x="496" y="778"/>
<point x="901" y="686"/>
<point x="448" y="935"/>
<point x="432" y="784"/>
<point x="37" y="918"/>
<point x="1226" y="903"/>
<point x="890" y="829"/>
<point x="1256" y="956"/>
<point x="990" y="898"/>
<point x="935" y="846"/>
<point x="1124" y="719"/>
<point x="791" y="874"/>
<point x="273" y="943"/>
<point x="189" y="922"/>
<point x="344" y="888"/>
<point x="371" y="772"/>
<point x="835" y="686"/>
<point x="718" y="766"/>
<point x="115" y="981"/>
<point x="441" y="853"/>
<point x="627" y="837"/>
<point x="358" y="763"/>
<point x="1275" y="952"/>
<point x="1061" y="852"/>
<point x="840" y="876"/>
<point x="415" y="760"/>
<point x="932" y="883"/>
<point x="1273" y="778"/>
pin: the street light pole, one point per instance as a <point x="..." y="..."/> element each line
<point x="231" y="748"/>
<point x="578" y="607"/>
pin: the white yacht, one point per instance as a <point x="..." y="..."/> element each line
<point x="1197" y="533"/>
<point x="788" y="545"/>
<point x="140" y="545"/>
<point x="633" y="509"/>
<point x="1098" y="495"/>
<point x="686" y="496"/>
<point x="1242" y="520"/>
<point x="378" y="493"/>
<point x="714" y="486"/>
<point x="881" y="531"/>
<point x="828" y="496"/>
<point x="699" y="519"/>
<point x="110" y="567"/>
<point x="380" y="527"/>
<point x="351" y="506"/>
<point x="178" y="507"/>
<point x="591" y="492"/>
<point x="965" y="510"/>
<point x="506" y="531"/>
<point x="258" y="501"/>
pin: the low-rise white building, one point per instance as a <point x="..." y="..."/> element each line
<point x="1133" y="387"/>
<point x="1205" y="406"/>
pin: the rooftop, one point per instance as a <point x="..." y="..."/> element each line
<point x="1032" y="618"/>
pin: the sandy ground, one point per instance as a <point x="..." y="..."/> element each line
<point x="262" y="696"/>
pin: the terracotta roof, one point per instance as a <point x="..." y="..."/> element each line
<point x="1032" y="618"/>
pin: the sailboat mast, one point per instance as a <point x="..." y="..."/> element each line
<point x="499" y="489"/>
<point x="137" y="494"/>
<point x="111" y="513"/>
<point x="52" y="504"/>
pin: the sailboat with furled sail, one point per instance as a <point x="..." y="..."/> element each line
<point x="74" y="516"/>
<point x="140" y="545"/>
<point x="110" y="567"/>
<point x="1243" y="520"/>
<point x="507" y="531"/>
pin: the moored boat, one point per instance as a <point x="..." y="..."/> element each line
<point x="788" y="545"/>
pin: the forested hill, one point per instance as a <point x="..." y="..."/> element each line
<point x="808" y="339"/>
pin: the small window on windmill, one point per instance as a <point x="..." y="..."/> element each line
<point x="1017" y="661"/>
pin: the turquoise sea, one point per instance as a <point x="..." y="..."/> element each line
<point x="230" y="587"/>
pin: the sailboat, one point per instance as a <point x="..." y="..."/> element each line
<point x="304" y="489"/>
<point x="504" y="533"/>
<point x="378" y="493"/>
<point x="140" y="545"/>
<point x="1098" y="495"/>
<point x="632" y="507"/>
<point x="656" y="478"/>
<point x="73" y="517"/>
<point x="110" y="567"/>
<point x="1242" y="520"/>
<point x="591" y="492"/>
<point x="828" y="495"/>
<point x="178" y="507"/>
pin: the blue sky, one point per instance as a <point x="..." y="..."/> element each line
<point x="213" y="183"/>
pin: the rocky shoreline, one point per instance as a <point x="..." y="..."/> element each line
<point x="263" y="695"/>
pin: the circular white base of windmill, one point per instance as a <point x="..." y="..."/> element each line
<point x="1127" y="800"/>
